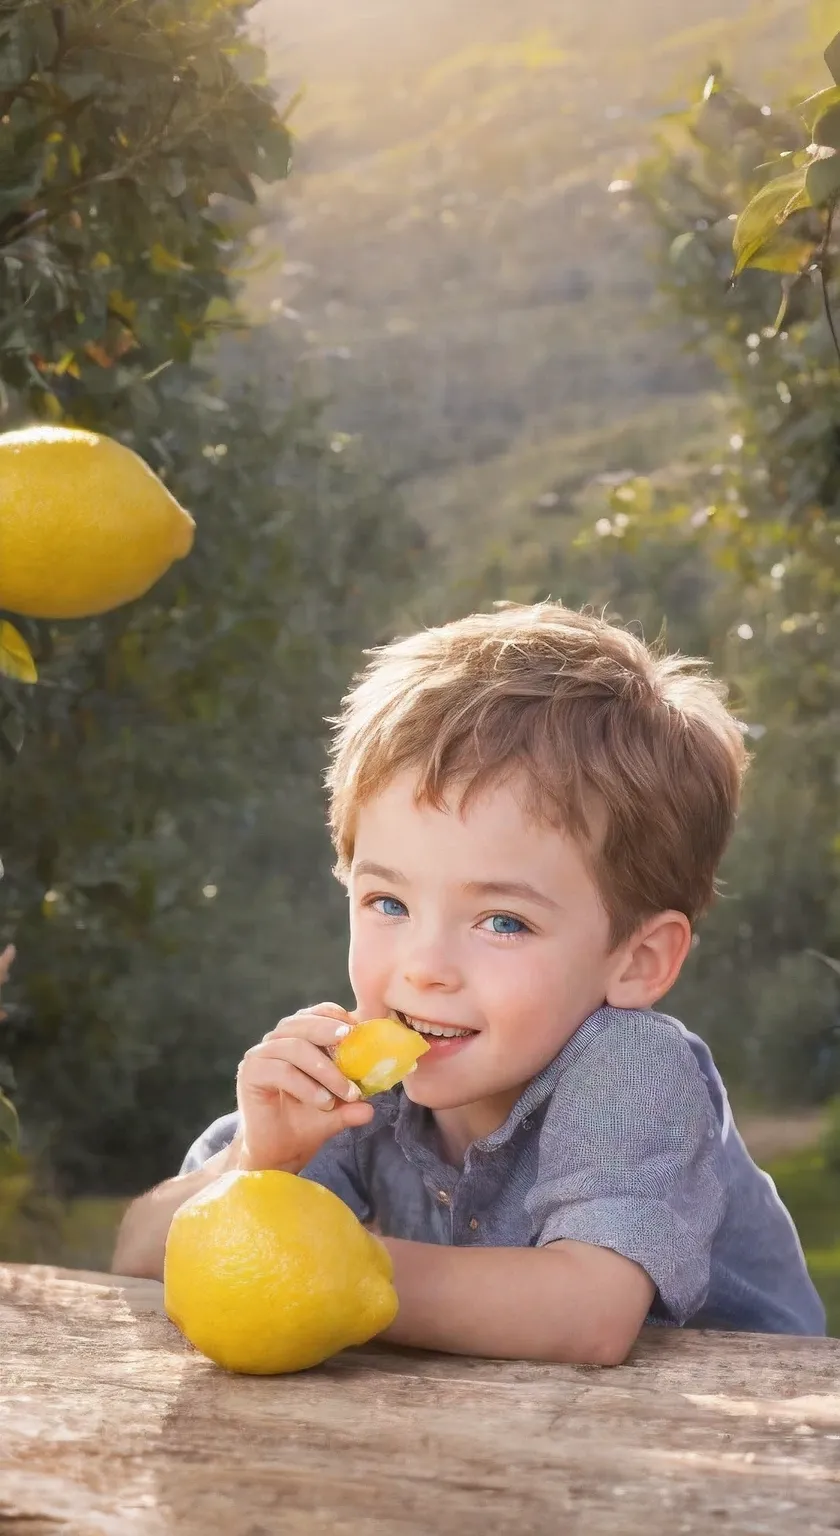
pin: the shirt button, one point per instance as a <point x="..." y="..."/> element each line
<point x="473" y="1224"/>
<point x="443" y="1197"/>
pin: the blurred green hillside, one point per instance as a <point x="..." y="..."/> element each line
<point x="464" y="284"/>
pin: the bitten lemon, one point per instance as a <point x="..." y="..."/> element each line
<point x="379" y="1054"/>
<point x="266" y="1273"/>
<point x="85" y="524"/>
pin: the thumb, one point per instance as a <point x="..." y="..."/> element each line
<point x="351" y="1115"/>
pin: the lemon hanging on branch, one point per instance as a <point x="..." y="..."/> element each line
<point x="85" y="524"/>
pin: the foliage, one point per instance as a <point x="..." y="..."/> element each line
<point x="167" y="870"/>
<point x="807" y="178"/>
<point x="741" y="554"/>
<point x="127" y="131"/>
<point x="831" y="1137"/>
<point x="810" y="1188"/>
<point x="129" y="136"/>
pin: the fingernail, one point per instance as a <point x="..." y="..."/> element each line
<point x="353" y="1092"/>
<point x="324" y="1096"/>
<point x="343" y="1030"/>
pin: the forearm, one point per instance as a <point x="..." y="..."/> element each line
<point x="141" y="1240"/>
<point x="548" y="1303"/>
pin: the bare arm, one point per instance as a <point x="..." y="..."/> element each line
<point x="567" y="1302"/>
<point x="141" y="1239"/>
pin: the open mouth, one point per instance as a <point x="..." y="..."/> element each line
<point x="433" y="1031"/>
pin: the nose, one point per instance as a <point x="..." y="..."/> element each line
<point x="429" y="965"/>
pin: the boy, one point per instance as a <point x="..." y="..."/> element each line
<point x="529" y="808"/>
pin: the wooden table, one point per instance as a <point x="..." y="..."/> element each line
<point x="111" y="1425"/>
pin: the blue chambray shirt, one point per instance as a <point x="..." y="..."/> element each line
<point x="626" y="1141"/>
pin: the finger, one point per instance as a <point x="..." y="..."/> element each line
<point x="266" y="1076"/>
<point x="323" y="1029"/>
<point x="311" y="1059"/>
<point x="306" y="1056"/>
<point x="331" y="1010"/>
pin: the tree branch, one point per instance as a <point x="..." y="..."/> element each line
<point x="823" y="266"/>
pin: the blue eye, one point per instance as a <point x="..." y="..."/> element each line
<point x="506" y="925"/>
<point x="389" y="906"/>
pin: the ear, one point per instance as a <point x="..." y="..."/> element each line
<point x="648" y="965"/>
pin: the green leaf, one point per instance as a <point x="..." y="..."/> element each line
<point x="826" y="129"/>
<point x="832" y="58"/>
<point x="823" y="180"/>
<point x="785" y="254"/>
<point x="220" y="312"/>
<point x="16" y="659"/>
<point x="250" y="63"/>
<point x="9" y="1123"/>
<point x="274" y="154"/>
<point x="760" y="220"/>
<point x="812" y="109"/>
<point x="163" y="261"/>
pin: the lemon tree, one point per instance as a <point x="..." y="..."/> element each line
<point x="131" y="134"/>
<point x="131" y="137"/>
<point x="737" y="546"/>
<point x="121" y="125"/>
<point x="167" y="871"/>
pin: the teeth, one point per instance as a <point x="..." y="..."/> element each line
<point x="433" y="1029"/>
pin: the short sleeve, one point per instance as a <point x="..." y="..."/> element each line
<point x="631" y="1158"/>
<point x="335" y="1165"/>
<point x="216" y="1137"/>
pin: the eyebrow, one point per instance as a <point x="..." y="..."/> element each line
<point x="515" y="888"/>
<point x="379" y="872"/>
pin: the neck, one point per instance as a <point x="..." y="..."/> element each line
<point x="466" y="1123"/>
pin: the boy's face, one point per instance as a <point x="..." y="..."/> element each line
<point x="482" y="921"/>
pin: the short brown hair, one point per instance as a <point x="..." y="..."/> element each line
<point x="585" y="715"/>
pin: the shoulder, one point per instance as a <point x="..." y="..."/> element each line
<point x="631" y="1075"/>
<point x="630" y="1131"/>
<point x="630" y="1045"/>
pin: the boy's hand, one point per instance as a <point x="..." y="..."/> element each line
<point x="291" y="1096"/>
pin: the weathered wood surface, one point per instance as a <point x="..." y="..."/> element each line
<point x="110" y="1425"/>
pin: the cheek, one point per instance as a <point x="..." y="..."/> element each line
<point x="367" y="960"/>
<point x="516" y="982"/>
<point x="541" y="982"/>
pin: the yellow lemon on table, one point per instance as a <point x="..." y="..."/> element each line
<point x="379" y="1054"/>
<point x="85" y="524"/>
<point x="267" y="1273"/>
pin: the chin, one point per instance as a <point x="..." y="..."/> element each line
<point x="438" y="1095"/>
